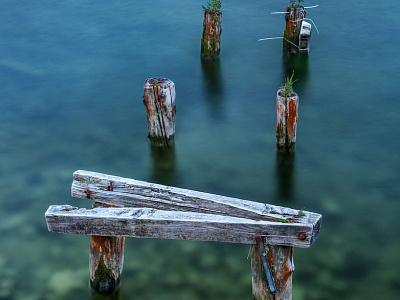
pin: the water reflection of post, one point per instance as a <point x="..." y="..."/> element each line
<point x="213" y="85"/>
<point x="299" y="64"/>
<point x="284" y="175"/>
<point x="163" y="164"/>
<point x="96" y="296"/>
<point x="212" y="75"/>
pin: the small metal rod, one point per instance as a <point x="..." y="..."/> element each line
<point x="272" y="38"/>
<point x="286" y="12"/>
<point x="279" y="37"/>
<point x="264" y="259"/>
<point x="313" y="23"/>
<point x="291" y="43"/>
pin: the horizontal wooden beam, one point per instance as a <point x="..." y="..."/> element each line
<point x="134" y="193"/>
<point x="153" y="223"/>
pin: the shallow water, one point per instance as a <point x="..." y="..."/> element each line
<point x="71" y="76"/>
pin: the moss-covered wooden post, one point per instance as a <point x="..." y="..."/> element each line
<point x="280" y="259"/>
<point x="293" y="19"/>
<point x="106" y="261"/>
<point x="287" y="102"/>
<point x="159" y="99"/>
<point x="212" y="29"/>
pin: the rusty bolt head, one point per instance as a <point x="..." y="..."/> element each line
<point x="302" y="236"/>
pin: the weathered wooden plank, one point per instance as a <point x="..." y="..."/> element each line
<point x="152" y="223"/>
<point x="133" y="193"/>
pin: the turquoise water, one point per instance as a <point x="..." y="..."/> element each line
<point x="71" y="77"/>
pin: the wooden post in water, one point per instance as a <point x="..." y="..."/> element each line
<point x="286" y="120"/>
<point x="106" y="259"/>
<point x="293" y="19"/>
<point x="149" y="210"/>
<point x="159" y="99"/>
<point x="211" y="39"/>
<point x="280" y="259"/>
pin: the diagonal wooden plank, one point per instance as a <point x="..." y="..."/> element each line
<point x="126" y="192"/>
<point x="153" y="223"/>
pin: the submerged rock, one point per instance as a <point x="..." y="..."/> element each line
<point x="65" y="281"/>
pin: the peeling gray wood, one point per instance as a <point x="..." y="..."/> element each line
<point x="152" y="223"/>
<point x="159" y="99"/>
<point x="133" y="193"/>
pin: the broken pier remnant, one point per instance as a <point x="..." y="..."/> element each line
<point x="286" y="121"/>
<point x="159" y="99"/>
<point x="293" y="20"/>
<point x="287" y="102"/>
<point x="211" y="38"/>
<point x="149" y="210"/>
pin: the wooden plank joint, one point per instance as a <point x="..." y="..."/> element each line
<point x="127" y="207"/>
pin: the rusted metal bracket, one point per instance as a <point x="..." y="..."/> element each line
<point x="264" y="259"/>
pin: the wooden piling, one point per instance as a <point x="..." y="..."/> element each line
<point x="159" y="99"/>
<point x="106" y="260"/>
<point x="211" y="38"/>
<point x="293" y="19"/>
<point x="105" y="263"/>
<point x="286" y="120"/>
<point x="280" y="259"/>
<point x="148" y="210"/>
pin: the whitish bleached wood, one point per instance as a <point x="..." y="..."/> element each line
<point x="159" y="99"/>
<point x="286" y="121"/>
<point x="133" y="193"/>
<point x="152" y="223"/>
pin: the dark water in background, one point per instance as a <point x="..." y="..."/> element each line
<point x="71" y="77"/>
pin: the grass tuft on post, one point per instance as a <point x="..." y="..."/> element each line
<point x="287" y="102"/>
<point x="214" y="5"/>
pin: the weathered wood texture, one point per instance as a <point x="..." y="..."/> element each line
<point x="159" y="99"/>
<point x="293" y="20"/>
<point x="153" y="223"/>
<point x="106" y="262"/>
<point x="286" y="121"/>
<point x="133" y="193"/>
<point x="280" y="259"/>
<point x="211" y="38"/>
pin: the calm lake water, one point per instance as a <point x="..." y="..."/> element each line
<point x="71" y="77"/>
